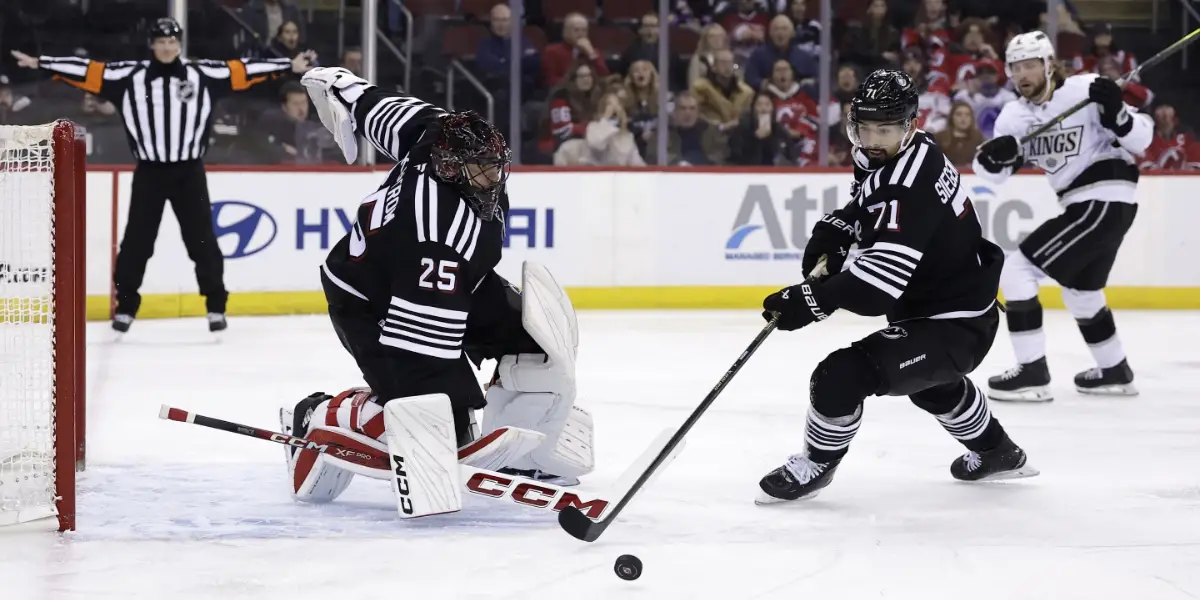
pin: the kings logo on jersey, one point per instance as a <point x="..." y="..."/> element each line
<point x="1051" y="150"/>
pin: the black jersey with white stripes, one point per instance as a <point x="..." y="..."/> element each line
<point x="167" y="108"/>
<point x="921" y="251"/>
<point x="417" y="250"/>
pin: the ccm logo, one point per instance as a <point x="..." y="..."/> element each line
<point x="402" y="485"/>
<point x="298" y="442"/>
<point x="531" y="494"/>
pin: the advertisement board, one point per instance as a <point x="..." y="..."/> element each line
<point x="614" y="239"/>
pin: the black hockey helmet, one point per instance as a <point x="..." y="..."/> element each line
<point x="472" y="154"/>
<point x="885" y="96"/>
<point x="165" y="27"/>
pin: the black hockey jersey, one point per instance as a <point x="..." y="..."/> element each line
<point x="922" y="251"/>
<point x="417" y="249"/>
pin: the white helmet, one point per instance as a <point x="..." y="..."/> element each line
<point x="1025" y="46"/>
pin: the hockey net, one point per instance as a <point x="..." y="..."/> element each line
<point x="41" y="321"/>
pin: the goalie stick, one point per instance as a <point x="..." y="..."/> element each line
<point x="581" y="527"/>
<point x="478" y="481"/>
<point x="1154" y="60"/>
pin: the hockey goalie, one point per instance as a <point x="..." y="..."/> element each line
<point x="414" y="297"/>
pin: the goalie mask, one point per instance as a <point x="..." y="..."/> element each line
<point x="883" y="114"/>
<point x="471" y="153"/>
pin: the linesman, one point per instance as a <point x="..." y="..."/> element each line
<point x="167" y="105"/>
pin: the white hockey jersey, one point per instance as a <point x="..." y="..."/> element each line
<point x="1083" y="159"/>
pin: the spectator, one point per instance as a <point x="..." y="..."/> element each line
<point x="352" y="60"/>
<point x="758" y="139"/>
<point x="933" y="105"/>
<point x="1136" y="94"/>
<point x="960" y="66"/>
<point x="695" y="14"/>
<point x="265" y="17"/>
<point x="780" y="48"/>
<point x="962" y="137"/>
<point x="722" y="95"/>
<point x="280" y="123"/>
<point x="287" y="40"/>
<point x="1173" y="147"/>
<point x="931" y="27"/>
<point x="1103" y="47"/>
<point x="558" y="57"/>
<point x="642" y="102"/>
<point x="839" y="144"/>
<point x="747" y="27"/>
<point x="794" y="110"/>
<point x="608" y="141"/>
<point x="847" y="83"/>
<point x="712" y="39"/>
<point x="874" y="43"/>
<point x="691" y="140"/>
<point x="571" y="107"/>
<point x="808" y="31"/>
<point x="644" y="47"/>
<point x="985" y="95"/>
<point x="491" y="57"/>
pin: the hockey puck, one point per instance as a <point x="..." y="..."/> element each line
<point x="628" y="567"/>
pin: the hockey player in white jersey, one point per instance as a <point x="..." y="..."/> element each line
<point x="1089" y="160"/>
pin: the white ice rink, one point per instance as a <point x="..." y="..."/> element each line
<point x="174" y="511"/>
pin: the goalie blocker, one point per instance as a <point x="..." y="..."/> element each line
<point x="530" y="422"/>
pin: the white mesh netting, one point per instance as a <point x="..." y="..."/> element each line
<point x="26" y="323"/>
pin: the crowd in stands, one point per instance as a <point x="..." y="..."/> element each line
<point x="742" y="87"/>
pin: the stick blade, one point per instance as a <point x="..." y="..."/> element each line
<point x="574" y="522"/>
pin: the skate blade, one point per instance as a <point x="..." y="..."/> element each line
<point x="1039" y="393"/>
<point x="765" y="499"/>
<point x="1021" y="473"/>
<point x="1119" y="389"/>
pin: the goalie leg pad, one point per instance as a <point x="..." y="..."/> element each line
<point x="421" y="445"/>
<point x="533" y="394"/>
<point x="320" y="478"/>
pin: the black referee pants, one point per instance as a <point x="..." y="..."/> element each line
<point x="185" y="185"/>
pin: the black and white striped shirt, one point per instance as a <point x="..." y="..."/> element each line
<point x="167" y="108"/>
<point x="417" y="251"/>
<point x="922" y="250"/>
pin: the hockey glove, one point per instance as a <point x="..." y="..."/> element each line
<point x="797" y="307"/>
<point x="831" y="238"/>
<point x="999" y="153"/>
<point x="1108" y="97"/>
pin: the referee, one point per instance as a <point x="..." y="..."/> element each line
<point x="167" y="105"/>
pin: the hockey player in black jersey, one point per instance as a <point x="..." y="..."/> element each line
<point x="415" y="299"/>
<point x="922" y="261"/>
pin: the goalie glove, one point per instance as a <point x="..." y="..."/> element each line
<point x="333" y="91"/>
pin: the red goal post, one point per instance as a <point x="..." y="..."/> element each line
<point x="42" y="327"/>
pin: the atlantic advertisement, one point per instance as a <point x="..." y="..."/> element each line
<point x="602" y="229"/>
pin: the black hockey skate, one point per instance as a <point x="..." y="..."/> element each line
<point x="537" y="475"/>
<point x="798" y="479"/>
<point x="296" y="421"/>
<point x="121" y="322"/>
<point x="217" y="322"/>
<point x="1006" y="461"/>
<point x="1029" y="382"/>
<point x="1113" y="381"/>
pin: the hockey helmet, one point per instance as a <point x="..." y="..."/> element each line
<point x="165" y="27"/>
<point x="471" y="153"/>
<point x="1026" y="46"/>
<point x="887" y="99"/>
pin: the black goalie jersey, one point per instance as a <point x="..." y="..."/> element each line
<point x="417" y="250"/>
<point x="921" y="252"/>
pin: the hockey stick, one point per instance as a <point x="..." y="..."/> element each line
<point x="478" y="481"/>
<point x="1154" y="60"/>
<point x="581" y="527"/>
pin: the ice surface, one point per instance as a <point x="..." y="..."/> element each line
<point x="175" y="511"/>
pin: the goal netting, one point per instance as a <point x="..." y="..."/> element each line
<point x="41" y="321"/>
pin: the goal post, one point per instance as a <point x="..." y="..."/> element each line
<point x="42" y="321"/>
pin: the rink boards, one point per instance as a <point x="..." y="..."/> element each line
<point x="625" y="239"/>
